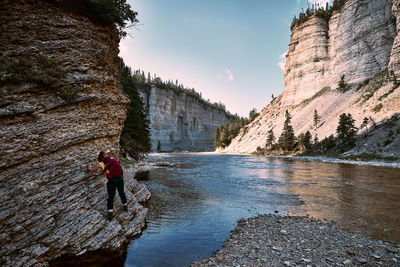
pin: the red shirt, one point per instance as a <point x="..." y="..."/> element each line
<point x="114" y="168"/>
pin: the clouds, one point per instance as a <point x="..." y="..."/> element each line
<point x="226" y="74"/>
<point x="229" y="75"/>
<point x="282" y="62"/>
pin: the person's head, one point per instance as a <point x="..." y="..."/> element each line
<point x="101" y="156"/>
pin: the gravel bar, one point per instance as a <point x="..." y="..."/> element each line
<point x="272" y="240"/>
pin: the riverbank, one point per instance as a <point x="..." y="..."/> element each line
<point x="345" y="159"/>
<point x="269" y="240"/>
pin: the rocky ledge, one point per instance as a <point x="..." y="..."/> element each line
<point x="269" y="240"/>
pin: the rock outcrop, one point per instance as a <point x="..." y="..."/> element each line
<point x="180" y="122"/>
<point x="356" y="42"/>
<point x="361" y="42"/>
<point x="52" y="126"/>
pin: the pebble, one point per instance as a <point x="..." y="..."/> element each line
<point x="362" y="260"/>
<point x="311" y="242"/>
<point x="347" y="262"/>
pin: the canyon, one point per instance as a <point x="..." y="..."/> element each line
<point x="359" y="42"/>
<point x="61" y="102"/>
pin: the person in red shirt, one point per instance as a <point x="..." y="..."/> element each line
<point x="111" y="167"/>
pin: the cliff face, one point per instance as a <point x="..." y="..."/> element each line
<point x="50" y="132"/>
<point x="355" y="42"/>
<point x="179" y="122"/>
<point x="361" y="42"/>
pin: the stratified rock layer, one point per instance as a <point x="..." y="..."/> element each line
<point x="51" y="205"/>
<point x="356" y="42"/>
<point x="361" y="42"/>
<point x="180" y="122"/>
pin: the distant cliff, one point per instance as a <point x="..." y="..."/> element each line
<point x="60" y="104"/>
<point x="360" y="43"/>
<point x="181" y="122"/>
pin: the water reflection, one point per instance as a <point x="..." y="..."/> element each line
<point x="197" y="202"/>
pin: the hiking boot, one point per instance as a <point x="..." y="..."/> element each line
<point x="109" y="215"/>
<point x="126" y="207"/>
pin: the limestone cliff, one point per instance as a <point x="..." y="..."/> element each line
<point x="180" y="122"/>
<point x="52" y="126"/>
<point x="361" y="42"/>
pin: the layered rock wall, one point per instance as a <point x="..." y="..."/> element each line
<point x="180" y="122"/>
<point x="51" y="205"/>
<point x="356" y="42"/>
<point x="359" y="41"/>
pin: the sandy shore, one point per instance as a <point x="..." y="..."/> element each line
<point x="269" y="240"/>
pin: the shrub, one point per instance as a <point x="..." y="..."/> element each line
<point x="42" y="71"/>
<point x="377" y="108"/>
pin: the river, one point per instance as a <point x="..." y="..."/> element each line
<point x="197" y="201"/>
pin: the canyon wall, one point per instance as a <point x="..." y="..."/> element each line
<point x="361" y="42"/>
<point x="356" y="42"/>
<point x="180" y="122"/>
<point x="60" y="104"/>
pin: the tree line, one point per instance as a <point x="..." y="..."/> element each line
<point x="317" y="10"/>
<point x="144" y="83"/>
<point x="289" y="143"/>
<point x="224" y="134"/>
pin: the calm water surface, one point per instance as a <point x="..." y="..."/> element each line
<point x="196" y="203"/>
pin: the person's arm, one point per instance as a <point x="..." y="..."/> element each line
<point x="95" y="168"/>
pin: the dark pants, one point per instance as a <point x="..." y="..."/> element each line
<point x="112" y="184"/>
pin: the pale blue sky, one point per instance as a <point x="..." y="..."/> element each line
<point x="229" y="50"/>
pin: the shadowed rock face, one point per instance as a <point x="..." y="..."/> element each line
<point x="51" y="205"/>
<point x="179" y="122"/>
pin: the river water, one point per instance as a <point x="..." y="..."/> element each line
<point x="196" y="202"/>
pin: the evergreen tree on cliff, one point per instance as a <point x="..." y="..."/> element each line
<point x="287" y="139"/>
<point x="135" y="135"/>
<point x="346" y="131"/>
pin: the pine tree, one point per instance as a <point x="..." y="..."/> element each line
<point x="135" y="137"/>
<point x="346" y="131"/>
<point x="287" y="138"/>
<point x="305" y="140"/>
<point x="365" y="124"/>
<point x="317" y="119"/>
<point x="270" y="140"/>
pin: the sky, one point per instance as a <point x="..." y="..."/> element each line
<point x="231" y="51"/>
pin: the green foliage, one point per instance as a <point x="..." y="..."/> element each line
<point x="362" y="84"/>
<point x="388" y="93"/>
<point x="365" y="123"/>
<point x="346" y="131"/>
<point x="111" y="12"/>
<point x="317" y="10"/>
<point x="287" y="139"/>
<point x="375" y="84"/>
<point x="304" y="142"/>
<point x="135" y="137"/>
<point x="144" y="84"/>
<point x="270" y="144"/>
<point x="42" y="71"/>
<point x="342" y="85"/>
<point x="321" y="92"/>
<point x="377" y="108"/>
<point x="253" y="114"/>
<point x="316" y="119"/>
<point x="225" y="133"/>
